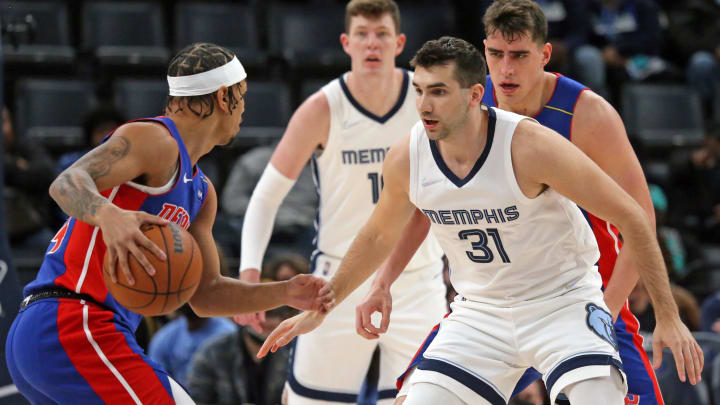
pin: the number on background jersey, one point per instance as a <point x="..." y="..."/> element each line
<point x="481" y="245"/>
<point x="376" y="185"/>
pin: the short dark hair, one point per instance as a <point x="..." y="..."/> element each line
<point x="513" y="18"/>
<point x="372" y="9"/>
<point x="469" y="62"/>
<point x="295" y="261"/>
<point x="712" y="130"/>
<point x="198" y="58"/>
<point x="103" y="114"/>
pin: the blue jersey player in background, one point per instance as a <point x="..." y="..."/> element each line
<point x="516" y="50"/>
<point x="72" y="342"/>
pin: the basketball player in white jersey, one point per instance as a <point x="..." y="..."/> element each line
<point x="347" y="128"/>
<point x="498" y="189"/>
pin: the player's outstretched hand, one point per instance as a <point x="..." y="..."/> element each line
<point x="687" y="353"/>
<point x="303" y="292"/>
<point x="327" y="296"/>
<point x="122" y="236"/>
<point x="288" y="329"/>
<point x="377" y="300"/>
<point x="252" y="319"/>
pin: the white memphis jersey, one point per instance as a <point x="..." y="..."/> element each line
<point x="503" y="247"/>
<point x="348" y="172"/>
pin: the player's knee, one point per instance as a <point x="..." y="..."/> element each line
<point x="427" y="393"/>
<point x="606" y="390"/>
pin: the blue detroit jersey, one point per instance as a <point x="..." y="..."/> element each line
<point x="75" y="255"/>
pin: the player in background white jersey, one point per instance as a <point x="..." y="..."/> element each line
<point x="529" y="295"/>
<point x="347" y="128"/>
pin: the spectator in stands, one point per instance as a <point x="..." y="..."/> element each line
<point x="676" y="257"/>
<point x="627" y="38"/>
<point x="285" y="266"/>
<point x="641" y="307"/>
<point x="710" y="314"/>
<point x="96" y="124"/>
<point x="175" y="343"/>
<point x="534" y="394"/>
<point x="698" y="175"/>
<point x="450" y="292"/>
<point x="681" y="251"/>
<point x="226" y="370"/>
<point x="295" y="217"/>
<point x="694" y="39"/>
<point x="28" y="173"/>
<point x="569" y="28"/>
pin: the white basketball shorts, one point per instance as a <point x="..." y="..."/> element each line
<point x="330" y="363"/>
<point x="483" y="350"/>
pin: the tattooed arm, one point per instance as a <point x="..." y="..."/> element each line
<point x="136" y="150"/>
<point x="75" y="190"/>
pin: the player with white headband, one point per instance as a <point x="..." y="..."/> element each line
<point x="72" y="342"/>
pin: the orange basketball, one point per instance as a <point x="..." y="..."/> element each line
<point x="175" y="279"/>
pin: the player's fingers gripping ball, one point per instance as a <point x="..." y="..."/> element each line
<point x="175" y="279"/>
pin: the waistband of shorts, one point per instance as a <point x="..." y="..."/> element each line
<point x="335" y="263"/>
<point x="57" y="292"/>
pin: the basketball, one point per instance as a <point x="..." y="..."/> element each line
<point x="175" y="279"/>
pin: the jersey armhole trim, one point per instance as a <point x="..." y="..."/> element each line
<point x="510" y="171"/>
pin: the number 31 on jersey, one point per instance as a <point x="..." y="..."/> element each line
<point x="479" y="243"/>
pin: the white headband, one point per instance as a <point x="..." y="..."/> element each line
<point x="207" y="82"/>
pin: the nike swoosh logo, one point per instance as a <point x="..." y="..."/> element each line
<point x="185" y="179"/>
<point x="351" y="124"/>
<point x="426" y="183"/>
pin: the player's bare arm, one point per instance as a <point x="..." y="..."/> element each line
<point x="137" y="151"/>
<point x="124" y="157"/>
<point x="542" y="158"/>
<point x="378" y="298"/>
<point x="307" y="131"/>
<point x="218" y="295"/>
<point x="599" y="132"/>
<point x="369" y="249"/>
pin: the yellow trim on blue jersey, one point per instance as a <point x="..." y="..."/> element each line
<point x="559" y="109"/>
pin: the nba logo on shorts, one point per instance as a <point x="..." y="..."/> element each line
<point x="326" y="269"/>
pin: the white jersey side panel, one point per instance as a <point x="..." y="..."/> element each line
<point x="503" y="247"/>
<point x="348" y="173"/>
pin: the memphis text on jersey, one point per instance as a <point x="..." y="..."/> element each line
<point x="473" y="217"/>
<point x="364" y="156"/>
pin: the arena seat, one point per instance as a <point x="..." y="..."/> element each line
<point x="125" y="33"/>
<point x="139" y="97"/>
<point x="658" y="172"/>
<point x="308" y="39"/>
<point x="266" y="113"/>
<point x="715" y="380"/>
<point x="421" y="24"/>
<point x="310" y="86"/>
<point x="230" y="25"/>
<point x="675" y="391"/>
<point x="36" y="32"/>
<point x="662" y="116"/>
<point x="51" y="111"/>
